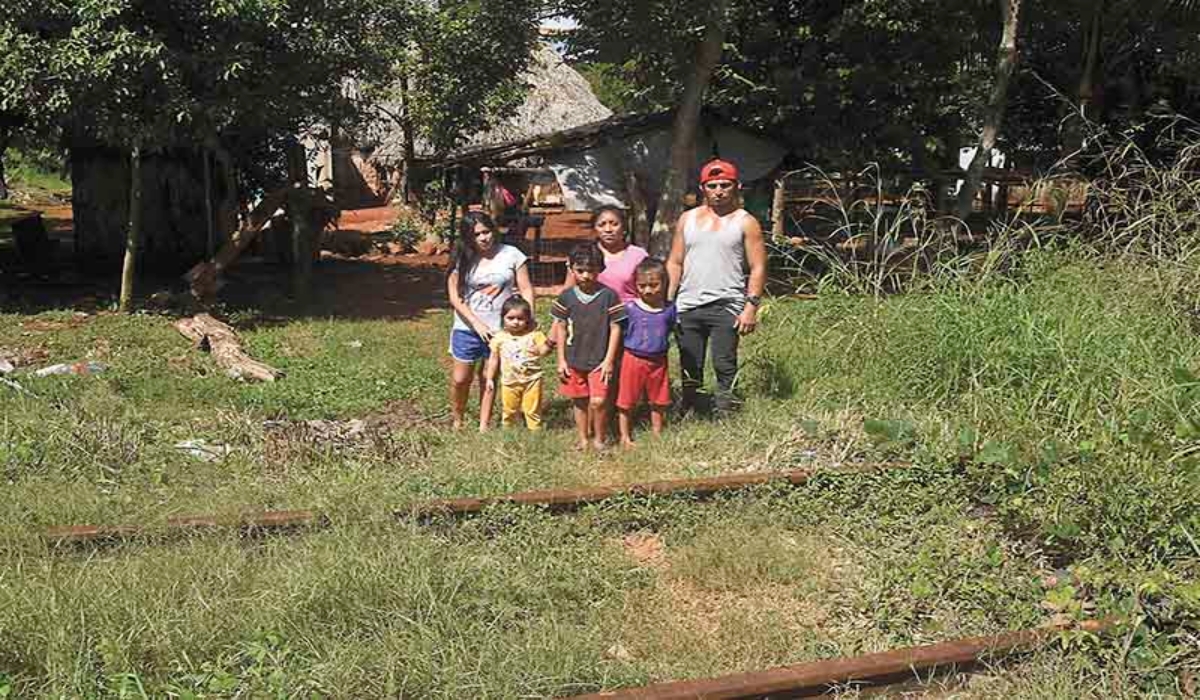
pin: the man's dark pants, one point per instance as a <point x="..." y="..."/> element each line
<point x="702" y="328"/>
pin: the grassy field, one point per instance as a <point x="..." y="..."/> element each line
<point x="1050" y="419"/>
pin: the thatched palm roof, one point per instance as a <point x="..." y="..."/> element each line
<point x="559" y="98"/>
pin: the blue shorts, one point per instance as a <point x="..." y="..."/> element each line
<point x="468" y="346"/>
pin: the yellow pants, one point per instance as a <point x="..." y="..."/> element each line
<point x="522" y="398"/>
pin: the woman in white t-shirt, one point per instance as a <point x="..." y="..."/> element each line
<point x="483" y="274"/>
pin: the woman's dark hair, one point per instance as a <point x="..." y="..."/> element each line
<point x="465" y="254"/>
<point x="516" y="302"/>
<point x="648" y="266"/>
<point x="609" y="209"/>
<point x="586" y="255"/>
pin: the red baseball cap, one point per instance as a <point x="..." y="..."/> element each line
<point x="718" y="170"/>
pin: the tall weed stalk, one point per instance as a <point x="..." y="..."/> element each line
<point x="864" y="240"/>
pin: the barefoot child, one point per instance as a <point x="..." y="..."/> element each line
<point x="650" y="319"/>
<point x="587" y="324"/>
<point x="516" y="352"/>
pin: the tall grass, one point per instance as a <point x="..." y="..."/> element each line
<point x="868" y="240"/>
<point x="516" y="602"/>
<point x="1051" y="377"/>
<point x="1056" y="362"/>
<point x="1145" y="201"/>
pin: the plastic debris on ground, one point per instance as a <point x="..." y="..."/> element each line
<point x="82" y="369"/>
<point x="204" y="451"/>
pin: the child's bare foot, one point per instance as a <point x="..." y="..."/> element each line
<point x="582" y="446"/>
<point x="600" y="446"/>
<point x="628" y="443"/>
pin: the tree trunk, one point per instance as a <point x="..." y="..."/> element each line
<point x="134" y="232"/>
<point x="1076" y="125"/>
<point x="299" y="204"/>
<point x="410" y="148"/>
<point x="639" y="221"/>
<point x="683" y="131"/>
<point x="993" y="118"/>
<point x="4" y="141"/>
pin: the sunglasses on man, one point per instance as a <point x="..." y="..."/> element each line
<point x="714" y="186"/>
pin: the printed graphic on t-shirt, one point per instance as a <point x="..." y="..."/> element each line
<point x="489" y="283"/>
<point x="519" y="358"/>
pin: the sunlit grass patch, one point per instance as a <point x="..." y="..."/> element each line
<point x="513" y="602"/>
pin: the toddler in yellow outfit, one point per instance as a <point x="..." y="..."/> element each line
<point x="516" y="356"/>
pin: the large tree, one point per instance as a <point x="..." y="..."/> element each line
<point x="904" y="82"/>
<point x="842" y="84"/>
<point x="181" y="79"/>
<point x="684" y="126"/>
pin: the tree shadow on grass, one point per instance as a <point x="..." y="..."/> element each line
<point x="346" y="288"/>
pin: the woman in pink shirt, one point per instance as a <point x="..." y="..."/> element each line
<point x="620" y="256"/>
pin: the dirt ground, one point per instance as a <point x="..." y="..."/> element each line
<point x="378" y="285"/>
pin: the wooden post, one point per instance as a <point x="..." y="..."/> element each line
<point x="211" y="247"/>
<point x="133" y="233"/>
<point x="298" y="203"/>
<point x="779" y="208"/>
<point x="302" y="263"/>
<point x="457" y="197"/>
<point x="410" y="148"/>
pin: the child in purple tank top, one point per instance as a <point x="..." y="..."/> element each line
<point x="650" y="320"/>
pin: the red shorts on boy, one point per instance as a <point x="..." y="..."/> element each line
<point x="583" y="385"/>
<point x="643" y="375"/>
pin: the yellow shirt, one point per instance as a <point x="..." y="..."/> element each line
<point x="519" y="359"/>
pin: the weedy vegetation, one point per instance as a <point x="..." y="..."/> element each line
<point x="1041" y="393"/>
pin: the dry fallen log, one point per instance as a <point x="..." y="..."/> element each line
<point x="207" y="333"/>
<point x="202" y="278"/>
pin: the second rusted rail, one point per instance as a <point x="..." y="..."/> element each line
<point x="869" y="670"/>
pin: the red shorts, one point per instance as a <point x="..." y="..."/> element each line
<point x="643" y="375"/>
<point x="583" y="385"/>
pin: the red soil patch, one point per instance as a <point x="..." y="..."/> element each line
<point x="645" y="549"/>
<point x="369" y="220"/>
<point x="379" y="297"/>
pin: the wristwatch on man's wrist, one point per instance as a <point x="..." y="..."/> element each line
<point x="754" y="299"/>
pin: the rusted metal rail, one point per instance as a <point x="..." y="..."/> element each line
<point x="555" y="499"/>
<point x="867" y="671"/>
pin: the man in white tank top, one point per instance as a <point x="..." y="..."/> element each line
<point x="718" y="268"/>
